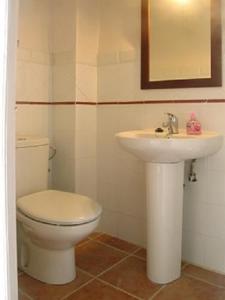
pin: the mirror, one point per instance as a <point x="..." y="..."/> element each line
<point x="181" y="44"/>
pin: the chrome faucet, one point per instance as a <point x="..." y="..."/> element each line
<point x="171" y="124"/>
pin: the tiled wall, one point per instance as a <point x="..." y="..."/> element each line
<point x="57" y="59"/>
<point x="33" y="67"/>
<point x="63" y="39"/>
<point x="87" y="37"/>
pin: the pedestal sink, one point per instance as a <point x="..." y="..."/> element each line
<point x="164" y="157"/>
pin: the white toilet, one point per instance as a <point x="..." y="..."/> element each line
<point x="50" y="222"/>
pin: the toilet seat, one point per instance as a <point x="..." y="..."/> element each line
<point x="59" y="208"/>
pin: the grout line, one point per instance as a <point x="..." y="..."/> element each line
<point x="138" y="249"/>
<point x="98" y="235"/>
<point x="81" y="244"/>
<point x="24" y="294"/>
<point x="133" y="252"/>
<point x="85" y="272"/>
<point x="77" y="289"/>
<point x="97" y="277"/>
<point x="108" y="269"/>
<point x="137" y="256"/>
<point x="114" y="248"/>
<point x="204" y="280"/>
<point x="119" y="289"/>
<point x="142" y="258"/>
<point x="157" y="292"/>
<point x="103" y="272"/>
<point x="114" y="265"/>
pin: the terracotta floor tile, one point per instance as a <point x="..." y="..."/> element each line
<point x="95" y="258"/>
<point x="23" y="297"/>
<point x="190" y="289"/>
<point x="82" y="242"/>
<point x="96" y="290"/>
<point x="94" y="235"/>
<point x="141" y="253"/>
<point x="130" y="275"/>
<point x="41" y="291"/>
<point x="211" y="277"/>
<point x="117" y="243"/>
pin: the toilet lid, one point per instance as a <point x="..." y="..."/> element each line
<point x="59" y="208"/>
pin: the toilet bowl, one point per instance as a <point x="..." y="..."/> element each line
<point x="50" y="224"/>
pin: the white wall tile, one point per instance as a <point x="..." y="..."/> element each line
<point x="215" y="187"/>
<point x="109" y="222"/>
<point x="86" y="118"/>
<point x="63" y="78"/>
<point x="132" y="229"/>
<point x="193" y="247"/>
<point x="88" y="27"/>
<point x="85" y="176"/>
<point x="64" y="140"/>
<point x="86" y="83"/>
<point x="85" y="145"/>
<point x="214" y="255"/>
<point x="63" y="25"/>
<point x="33" y="120"/>
<point x="34" y="16"/>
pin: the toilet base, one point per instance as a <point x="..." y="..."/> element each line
<point x="49" y="266"/>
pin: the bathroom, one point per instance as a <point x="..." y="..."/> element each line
<point x="78" y="83"/>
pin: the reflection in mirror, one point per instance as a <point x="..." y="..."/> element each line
<point x="181" y="43"/>
<point x="179" y="39"/>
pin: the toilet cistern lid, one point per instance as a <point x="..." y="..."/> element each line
<point x="56" y="207"/>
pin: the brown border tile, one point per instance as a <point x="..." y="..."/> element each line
<point x="117" y="243"/>
<point x="118" y="102"/>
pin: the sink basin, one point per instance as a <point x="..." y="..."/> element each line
<point x="146" y="145"/>
<point x="164" y="158"/>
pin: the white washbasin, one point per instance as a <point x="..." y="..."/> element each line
<point x="164" y="159"/>
<point x="146" y="145"/>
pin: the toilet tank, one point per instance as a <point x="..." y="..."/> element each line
<point x="31" y="165"/>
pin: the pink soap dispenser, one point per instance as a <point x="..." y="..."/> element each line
<point x="193" y="125"/>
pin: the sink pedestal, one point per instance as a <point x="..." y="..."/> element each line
<point x="164" y="157"/>
<point x="164" y="182"/>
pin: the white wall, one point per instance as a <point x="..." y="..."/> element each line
<point x="33" y="68"/>
<point x="57" y="59"/>
<point x="121" y="187"/>
<point x="63" y="41"/>
<point x="87" y="43"/>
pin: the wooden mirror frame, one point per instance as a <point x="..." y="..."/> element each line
<point x="216" y="55"/>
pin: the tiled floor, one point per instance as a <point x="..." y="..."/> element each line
<point x="109" y="268"/>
